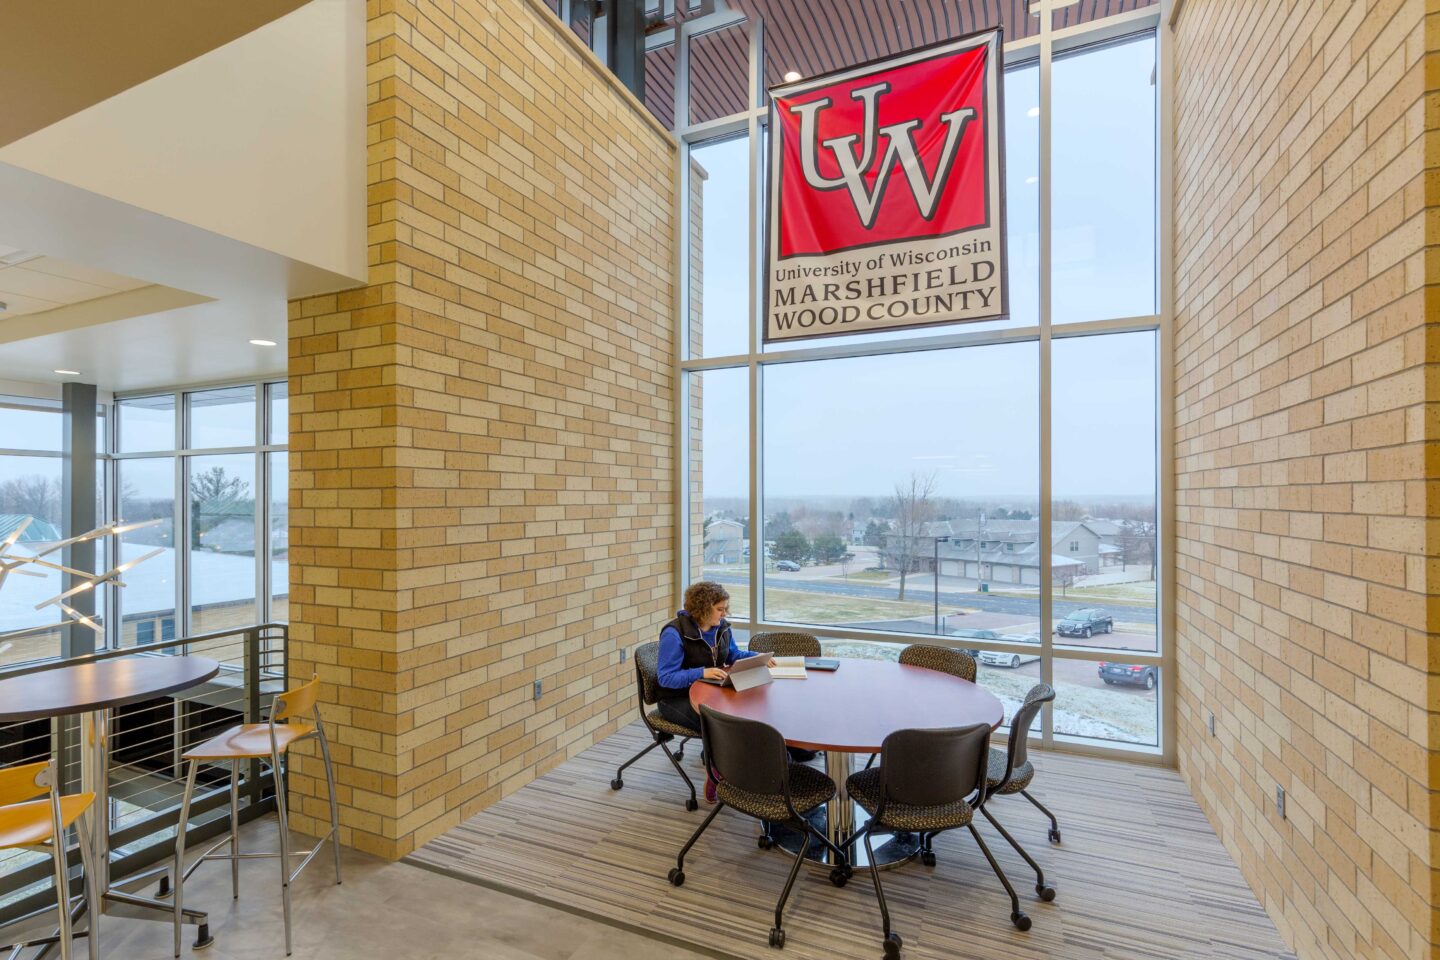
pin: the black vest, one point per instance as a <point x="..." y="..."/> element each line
<point x="697" y="652"/>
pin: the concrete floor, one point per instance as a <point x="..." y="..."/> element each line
<point x="382" y="910"/>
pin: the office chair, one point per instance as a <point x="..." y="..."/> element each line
<point x="756" y="778"/>
<point x="957" y="663"/>
<point x="1011" y="772"/>
<point x="661" y="729"/>
<point x="785" y="644"/>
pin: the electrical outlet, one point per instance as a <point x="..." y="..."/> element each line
<point x="537" y="689"/>
<point x="623" y="651"/>
<point x="1280" y="800"/>
<point x="1212" y="724"/>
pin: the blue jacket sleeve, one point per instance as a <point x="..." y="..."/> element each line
<point x="672" y="655"/>
<point x="735" y="653"/>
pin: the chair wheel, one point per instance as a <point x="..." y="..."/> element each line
<point x="616" y="784"/>
<point x="839" y="877"/>
<point x="1021" y="921"/>
<point x="777" y="938"/>
<point x="1054" y="835"/>
<point x="893" y="943"/>
<point x="1046" y="892"/>
<point x="676" y="876"/>
<point x="692" y="804"/>
<point x="764" y="841"/>
<point x="927" y="857"/>
<point x="680" y="754"/>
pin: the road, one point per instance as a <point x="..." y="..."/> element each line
<point x="1021" y="606"/>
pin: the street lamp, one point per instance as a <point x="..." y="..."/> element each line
<point x="937" y="581"/>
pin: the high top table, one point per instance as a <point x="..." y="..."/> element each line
<point x="92" y="689"/>
<point x="852" y="710"/>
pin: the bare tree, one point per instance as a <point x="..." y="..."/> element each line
<point x="33" y="495"/>
<point x="1137" y="544"/>
<point x="914" y="508"/>
<point x="1064" y="578"/>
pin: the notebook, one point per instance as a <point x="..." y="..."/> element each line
<point x="788" y="668"/>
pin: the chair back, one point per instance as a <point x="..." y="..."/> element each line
<point x="297" y="701"/>
<point x="26" y="782"/>
<point x="785" y="644"/>
<point x="926" y="768"/>
<point x="647" y="672"/>
<point x="1016" y="753"/>
<point x="747" y="754"/>
<point x="945" y="659"/>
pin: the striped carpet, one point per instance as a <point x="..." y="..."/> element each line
<point x="1140" y="873"/>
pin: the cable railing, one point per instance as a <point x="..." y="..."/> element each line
<point x="146" y="774"/>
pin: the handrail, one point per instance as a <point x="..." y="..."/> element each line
<point x="55" y="663"/>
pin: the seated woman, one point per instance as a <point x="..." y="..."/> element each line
<point x="697" y="643"/>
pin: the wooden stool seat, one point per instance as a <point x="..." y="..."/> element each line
<point x="26" y="824"/>
<point x="249" y="741"/>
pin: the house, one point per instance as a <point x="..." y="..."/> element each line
<point x="1005" y="551"/>
<point x="724" y="541"/>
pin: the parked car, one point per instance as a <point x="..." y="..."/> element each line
<point x="966" y="633"/>
<point x="788" y="566"/>
<point x="1131" y="674"/>
<point x="994" y="658"/>
<point x="1083" y="623"/>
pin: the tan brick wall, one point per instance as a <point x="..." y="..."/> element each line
<point x="1304" y="460"/>
<point x="481" y="440"/>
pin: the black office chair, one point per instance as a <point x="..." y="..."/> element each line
<point x="785" y="644"/>
<point x="1011" y="772"/>
<point x="957" y="663"/>
<point x="756" y="778"/>
<point x="662" y="730"/>
<point x="928" y="781"/>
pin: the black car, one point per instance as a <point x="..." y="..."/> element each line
<point x="1083" y="623"/>
<point x="1131" y="674"/>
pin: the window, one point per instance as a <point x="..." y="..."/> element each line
<point x="147" y="492"/>
<point x="222" y="542"/>
<point x="719" y="277"/>
<point x="147" y="423"/>
<point x="720" y="541"/>
<point x="30" y="498"/>
<point x="222" y="418"/>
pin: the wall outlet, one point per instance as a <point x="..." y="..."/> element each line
<point x="1212" y="723"/>
<point x="1280" y="800"/>
<point x="537" y="689"/>
<point x="623" y="651"/>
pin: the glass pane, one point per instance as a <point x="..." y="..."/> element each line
<point x="1104" y="469"/>
<point x="279" y="536"/>
<point x="1118" y="702"/>
<point x="222" y="418"/>
<point x="147" y="423"/>
<point x="279" y="412"/>
<point x="720" y="483"/>
<point x="28" y="428"/>
<point x="720" y="72"/>
<point x="222" y="542"/>
<point x="1022" y="221"/>
<point x="147" y="603"/>
<point x="913" y="459"/>
<point x="30" y="495"/>
<point x="720" y="248"/>
<point x="1103" y="238"/>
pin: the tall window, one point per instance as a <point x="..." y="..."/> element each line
<point x="900" y="493"/>
<point x="30" y="465"/>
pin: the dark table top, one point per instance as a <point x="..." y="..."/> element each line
<point x="853" y="709"/>
<point x="83" y="687"/>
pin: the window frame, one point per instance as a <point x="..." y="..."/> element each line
<point x="1041" y="49"/>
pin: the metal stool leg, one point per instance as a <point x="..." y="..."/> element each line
<point x="280" y="806"/>
<point x="62" y="891"/>
<point x="334" y="807"/>
<point x="179" y="879"/>
<point x="93" y="906"/>
<point x="235" y="829"/>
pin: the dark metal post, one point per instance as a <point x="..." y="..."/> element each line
<point x="625" y="43"/>
<point x="252" y="706"/>
<point x="77" y="509"/>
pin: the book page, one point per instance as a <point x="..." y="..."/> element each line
<point x="789" y="661"/>
<point x="787" y="672"/>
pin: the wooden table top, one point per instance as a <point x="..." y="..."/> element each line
<point x="853" y="709"/>
<point x="83" y="687"/>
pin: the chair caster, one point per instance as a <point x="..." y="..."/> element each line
<point x="1054" y="835"/>
<point x="692" y="805"/>
<point x="893" y="943"/>
<point x="1021" y="921"/>
<point x="680" y="754"/>
<point x="777" y="938"/>
<point x="676" y="876"/>
<point x="927" y="857"/>
<point x="616" y="784"/>
<point x="1046" y="892"/>
<point x="765" y="841"/>
<point x="163" y="890"/>
<point x="840" y="876"/>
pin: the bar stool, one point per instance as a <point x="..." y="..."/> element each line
<point x="39" y="826"/>
<point x="259" y="741"/>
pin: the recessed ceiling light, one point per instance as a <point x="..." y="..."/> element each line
<point x="1033" y="112"/>
<point x="68" y="373"/>
<point x="792" y="76"/>
<point x="262" y="343"/>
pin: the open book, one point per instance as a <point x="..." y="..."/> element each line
<point x="788" y="668"/>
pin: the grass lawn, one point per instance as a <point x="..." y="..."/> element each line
<point x="808" y="607"/>
<point x="876" y="575"/>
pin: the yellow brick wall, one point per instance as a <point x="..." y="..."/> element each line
<point x="481" y="439"/>
<point x="1304" y="407"/>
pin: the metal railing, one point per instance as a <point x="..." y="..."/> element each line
<point x="146" y="774"/>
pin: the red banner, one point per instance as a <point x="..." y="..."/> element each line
<point x="886" y="199"/>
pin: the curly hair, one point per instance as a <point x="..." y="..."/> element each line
<point x="702" y="596"/>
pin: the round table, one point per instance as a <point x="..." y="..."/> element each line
<point x="92" y="689"/>
<point x="851" y="711"/>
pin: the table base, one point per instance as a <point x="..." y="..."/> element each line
<point x="888" y="855"/>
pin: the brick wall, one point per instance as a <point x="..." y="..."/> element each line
<point x="1302" y="423"/>
<point x="481" y="439"/>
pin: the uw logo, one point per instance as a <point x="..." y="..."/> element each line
<point x="900" y="149"/>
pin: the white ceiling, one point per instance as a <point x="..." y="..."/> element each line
<point x="32" y="284"/>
